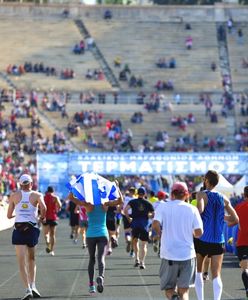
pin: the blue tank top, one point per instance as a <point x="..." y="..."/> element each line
<point x="97" y="222"/>
<point x="213" y="218"/>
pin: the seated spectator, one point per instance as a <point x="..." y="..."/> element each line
<point x="188" y="26"/>
<point x="191" y="118"/>
<point x="65" y="13"/>
<point x="189" y="42"/>
<point x="76" y="49"/>
<point x="161" y="63"/>
<point x="140" y="82"/>
<point x="137" y="118"/>
<point x="107" y="15"/>
<point x="89" y="74"/>
<point x="117" y="61"/>
<point x="213" y="117"/>
<point x="122" y="76"/>
<point x="82" y="46"/>
<point x="172" y="63"/>
<point x="127" y="69"/>
<point x="213" y="66"/>
<point x="90" y="42"/>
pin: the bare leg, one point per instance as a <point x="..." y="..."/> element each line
<point x="31" y="264"/>
<point x="21" y="251"/>
<point x="52" y="231"/>
<point x="183" y="293"/>
<point x="136" y="248"/>
<point x="143" y="251"/>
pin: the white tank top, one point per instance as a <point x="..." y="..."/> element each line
<point x="25" y="211"/>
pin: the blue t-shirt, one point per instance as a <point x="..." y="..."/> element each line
<point x="97" y="222"/>
<point x="140" y="210"/>
<point x="213" y="218"/>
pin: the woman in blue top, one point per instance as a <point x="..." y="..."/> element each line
<point x="97" y="237"/>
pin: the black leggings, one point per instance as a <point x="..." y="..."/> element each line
<point x="99" y="242"/>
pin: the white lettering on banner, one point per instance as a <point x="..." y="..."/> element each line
<point x="98" y="166"/>
<point x="217" y="166"/>
<point x="145" y="167"/>
<point x="111" y="166"/>
<point x="196" y="166"/>
<point x="126" y="166"/>
<point x="158" y="166"/>
<point x="170" y="167"/>
<point x="84" y="165"/>
<point x="180" y="166"/>
<point x="232" y="166"/>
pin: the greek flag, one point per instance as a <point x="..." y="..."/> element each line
<point x="93" y="188"/>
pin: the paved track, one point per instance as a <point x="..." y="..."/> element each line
<point x="64" y="276"/>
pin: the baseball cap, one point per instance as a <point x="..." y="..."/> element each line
<point x="141" y="191"/>
<point x="162" y="195"/>
<point x="180" y="187"/>
<point x="25" y="179"/>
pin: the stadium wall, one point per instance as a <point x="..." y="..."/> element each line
<point x="218" y="12"/>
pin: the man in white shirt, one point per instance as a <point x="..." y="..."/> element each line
<point x="177" y="222"/>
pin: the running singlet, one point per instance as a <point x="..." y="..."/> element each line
<point x="97" y="222"/>
<point x="51" y="213"/>
<point x="213" y="219"/>
<point x="25" y="211"/>
<point x="242" y="211"/>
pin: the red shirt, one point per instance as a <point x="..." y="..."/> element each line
<point x="51" y="213"/>
<point x="242" y="211"/>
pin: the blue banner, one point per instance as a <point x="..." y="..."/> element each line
<point x="57" y="168"/>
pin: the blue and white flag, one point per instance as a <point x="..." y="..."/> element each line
<point x="93" y="188"/>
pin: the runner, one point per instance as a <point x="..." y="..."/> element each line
<point x="242" y="241"/>
<point x="142" y="210"/>
<point x="53" y="205"/>
<point x="26" y="203"/>
<point x="74" y="221"/>
<point x="97" y="237"/>
<point x="212" y="206"/>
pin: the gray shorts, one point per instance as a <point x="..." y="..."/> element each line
<point x="177" y="273"/>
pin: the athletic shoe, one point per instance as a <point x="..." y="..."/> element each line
<point x="84" y="246"/>
<point x="114" y="243"/>
<point x="28" y="295"/>
<point x="36" y="293"/>
<point x="205" y="276"/>
<point x="92" y="289"/>
<point x="75" y="241"/>
<point x="52" y="253"/>
<point x="132" y="254"/>
<point x="137" y="263"/>
<point x="99" y="282"/>
<point x="71" y="236"/>
<point x="48" y="249"/>
<point x="142" y="266"/>
<point x="128" y="247"/>
<point x="155" y="246"/>
<point x="175" y="297"/>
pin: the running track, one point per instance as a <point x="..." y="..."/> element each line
<point x="64" y="276"/>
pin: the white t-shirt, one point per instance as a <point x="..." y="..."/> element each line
<point x="178" y="220"/>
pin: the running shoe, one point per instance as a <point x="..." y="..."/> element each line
<point x="155" y="246"/>
<point x="128" y="247"/>
<point x="137" y="263"/>
<point x="175" y="297"/>
<point x="205" y="276"/>
<point x="114" y="243"/>
<point x="28" y="295"/>
<point x="84" y="246"/>
<point x="36" y="293"/>
<point x="52" y="253"/>
<point x="92" y="289"/>
<point x="142" y="266"/>
<point x="99" y="282"/>
<point x="75" y="241"/>
<point x="132" y="254"/>
<point x="71" y="236"/>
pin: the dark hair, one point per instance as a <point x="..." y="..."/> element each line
<point x="50" y="189"/>
<point x="246" y="191"/>
<point x="212" y="177"/>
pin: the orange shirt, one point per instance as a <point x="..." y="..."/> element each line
<point x="242" y="211"/>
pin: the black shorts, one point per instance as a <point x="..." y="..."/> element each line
<point x="111" y="225"/>
<point x="126" y="224"/>
<point x="208" y="249"/>
<point x="141" y="234"/>
<point x="29" y="238"/>
<point x="242" y="252"/>
<point x="74" y="220"/>
<point x="50" y="223"/>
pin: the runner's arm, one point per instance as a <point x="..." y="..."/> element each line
<point x="232" y="217"/>
<point x="88" y="206"/>
<point x="11" y="207"/>
<point x="126" y="213"/>
<point x="200" y="197"/>
<point x="156" y="226"/>
<point x="42" y="206"/>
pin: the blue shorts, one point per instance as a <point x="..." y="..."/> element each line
<point x="29" y="238"/>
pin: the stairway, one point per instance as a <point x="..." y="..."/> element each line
<point x="99" y="56"/>
<point x="8" y="80"/>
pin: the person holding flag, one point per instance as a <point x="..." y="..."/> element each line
<point x="95" y="194"/>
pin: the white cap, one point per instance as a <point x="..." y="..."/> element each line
<point x="25" y="179"/>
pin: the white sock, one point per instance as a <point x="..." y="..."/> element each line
<point x="199" y="286"/>
<point x="32" y="285"/>
<point x="217" y="288"/>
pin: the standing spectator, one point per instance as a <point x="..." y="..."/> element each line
<point x="212" y="206"/>
<point x="177" y="221"/>
<point x="240" y="37"/>
<point x="26" y="232"/>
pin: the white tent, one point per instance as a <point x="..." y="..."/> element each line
<point x="239" y="186"/>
